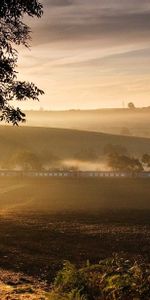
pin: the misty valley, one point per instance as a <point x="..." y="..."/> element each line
<point x="90" y="221"/>
<point x="74" y="150"/>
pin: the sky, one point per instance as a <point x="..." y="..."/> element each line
<point x="89" y="54"/>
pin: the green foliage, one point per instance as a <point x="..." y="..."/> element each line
<point x="69" y="279"/>
<point x="73" y="295"/>
<point x="112" y="279"/>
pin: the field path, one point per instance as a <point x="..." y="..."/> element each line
<point x="8" y="207"/>
<point x="4" y="190"/>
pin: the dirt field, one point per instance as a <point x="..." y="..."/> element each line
<point x="43" y="222"/>
<point x="38" y="244"/>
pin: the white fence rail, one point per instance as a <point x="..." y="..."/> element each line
<point x="74" y="174"/>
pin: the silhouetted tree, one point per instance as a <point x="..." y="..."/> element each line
<point x="13" y="31"/>
<point x="25" y="160"/>
<point x="131" y="105"/>
<point x="146" y="160"/>
<point x="124" y="163"/>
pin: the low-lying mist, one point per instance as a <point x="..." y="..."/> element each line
<point x="76" y="165"/>
<point x="126" y="122"/>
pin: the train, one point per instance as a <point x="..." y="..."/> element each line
<point x="74" y="174"/>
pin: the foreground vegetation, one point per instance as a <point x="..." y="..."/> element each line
<point x="115" y="278"/>
<point x="111" y="279"/>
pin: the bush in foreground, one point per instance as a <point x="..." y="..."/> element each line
<point x="111" y="279"/>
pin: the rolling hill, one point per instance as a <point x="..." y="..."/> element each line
<point x="115" y="121"/>
<point x="64" y="143"/>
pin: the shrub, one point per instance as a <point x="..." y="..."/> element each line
<point x="111" y="279"/>
<point x="70" y="279"/>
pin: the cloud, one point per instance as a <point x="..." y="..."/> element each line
<point x="95" y="49"/>
<point x="68" y="20"/>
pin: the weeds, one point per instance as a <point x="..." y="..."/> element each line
<point x="111" y="279"/>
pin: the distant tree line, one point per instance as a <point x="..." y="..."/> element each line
<point x="116" y="158"/>
<point x="119" y="160"/>
<point x="28" y="161"/>
<point x="124" y="163"/>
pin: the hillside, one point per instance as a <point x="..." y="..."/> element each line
<point x="116" y="121"/>
<point x="64" y="143"/>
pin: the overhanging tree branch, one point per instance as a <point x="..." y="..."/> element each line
<point x="13" y="31"/>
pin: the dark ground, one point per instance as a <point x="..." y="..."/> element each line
<point x="37" y="244"/>
<point x="46" y="221"/>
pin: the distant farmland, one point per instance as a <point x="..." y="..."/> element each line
<point x="115" y="121"/>
<point x="64" y="143"/>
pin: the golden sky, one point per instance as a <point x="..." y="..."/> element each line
<point x="89" y="54"/>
